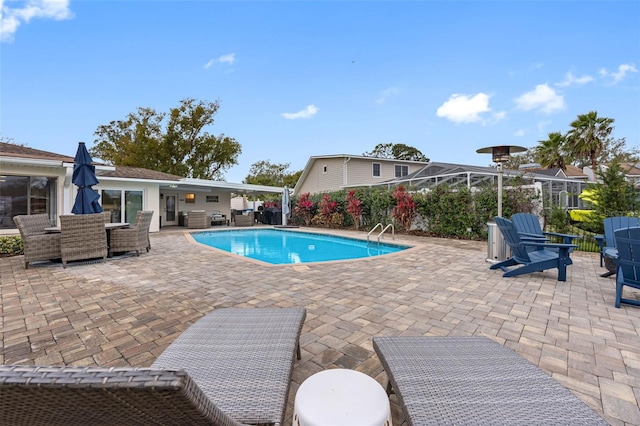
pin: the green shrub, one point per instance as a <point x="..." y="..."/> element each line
<point x="11" y="245"/>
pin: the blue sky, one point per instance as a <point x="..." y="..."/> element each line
<point x="299" y="78"/>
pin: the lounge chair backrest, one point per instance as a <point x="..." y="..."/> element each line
<point x="611" y="224"/>
<point x="512" y="238"/>
<point x="527" y="222"/>
<point x="107" y="396"/>
<point x="628" y="262"/>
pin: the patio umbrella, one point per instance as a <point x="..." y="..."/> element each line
<point x="285" y="205"/>
<point x="84" y="177"/>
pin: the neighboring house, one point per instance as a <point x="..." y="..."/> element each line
<point x="571" y="172"/>
<point x="631" y="171"/>
<point x="327" y="173"/>
<point x="35" y="181"/>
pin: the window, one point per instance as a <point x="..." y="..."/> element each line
<point x="401" y="170"/>
<point x="376" y="169"/>
<point x="190" y="198"/>
<point x="324" y="169"/>
<point x="26" y="195"/>
<point x="122" y="204"/>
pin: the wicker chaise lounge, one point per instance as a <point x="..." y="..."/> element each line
<point x="232" y="367"/>
<point x="36" y="242"/>
<point x="474" y="380"/>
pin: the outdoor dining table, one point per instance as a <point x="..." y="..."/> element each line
<point x="107" y="226"/>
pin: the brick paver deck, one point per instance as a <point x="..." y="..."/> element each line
<point x="127" y="310"/>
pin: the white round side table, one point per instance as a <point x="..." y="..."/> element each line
<point x="341" y="397"/>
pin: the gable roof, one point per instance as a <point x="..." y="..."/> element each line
<point x="19" y="151"/>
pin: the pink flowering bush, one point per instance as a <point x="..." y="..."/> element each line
<point x="405" y="209"/>
<point x="354" y="208"/>
<point x="304" y="208"/>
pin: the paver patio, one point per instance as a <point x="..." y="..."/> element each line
<point x="126" y="311"/>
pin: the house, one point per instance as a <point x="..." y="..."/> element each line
<point x="35" y="181"/>
<point x="327" y="173"/>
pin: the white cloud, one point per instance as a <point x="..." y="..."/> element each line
<point x="542" y="98"/>
<point x="619" y="75"/>
<point x="519" y="133"/>
<point x="229" y="59"/>
<point x="570" y="79"/>
<point x="386" y="94"/>
<point x="308" y="112"/>
<point x="464" y="108"/>
<point x="12" y="18"/>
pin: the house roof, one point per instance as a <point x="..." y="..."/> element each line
<point x="18" y="154"/>
<point x="19" y="151"/>
<point x="631" y="169"/>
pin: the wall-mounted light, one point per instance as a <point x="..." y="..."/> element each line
<point x="161" y="196"/>
<point x="173" y="186"/>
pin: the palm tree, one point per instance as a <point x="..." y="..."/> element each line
<point x="551" y="152"/>
<point x="588" y="135"/>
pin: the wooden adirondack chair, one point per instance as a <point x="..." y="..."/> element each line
<point x="531" y="261"/>
<point x="528" y="226"/>
<point x="607" y="242"/>
<point x="628" y="261"/>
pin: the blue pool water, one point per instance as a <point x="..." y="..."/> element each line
<point x="278" y="246"/>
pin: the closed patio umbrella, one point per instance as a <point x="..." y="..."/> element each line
<point x="84" y="177"/>
<point x="285" y="205"/>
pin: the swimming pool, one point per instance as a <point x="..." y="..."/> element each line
<point x="277" y="246"/>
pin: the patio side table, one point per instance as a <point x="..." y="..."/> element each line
<point x="341" y="397"/>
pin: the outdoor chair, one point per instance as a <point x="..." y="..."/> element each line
<point x="628" y="261"/>
<point x="107" y="216"/>
<point x="198" y="219"/>
<point x="244" y="219"/>
<point x="37" y="243"/>
<point x="135" y="238"/>
<point x="607" y="242"/>
<point x="474" y="380"/>
<point x="231" y="367"/>
<point x="83" y="236"/>
<point x="547" y="255"/>
<point x="528" y="226"/>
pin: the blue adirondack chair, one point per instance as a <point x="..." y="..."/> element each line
<point x="528" y="226"/>
<point x="628" y="261"/>
<point x="607" y="242"/>
<point x="531" y="261"/>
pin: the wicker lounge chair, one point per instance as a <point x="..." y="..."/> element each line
<point x="37" y="243"/>
<point x="135" y="238"/>
<point x="232" y="367"/>
<point x="83" y="237"/>
<point x="474" y="380"/>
